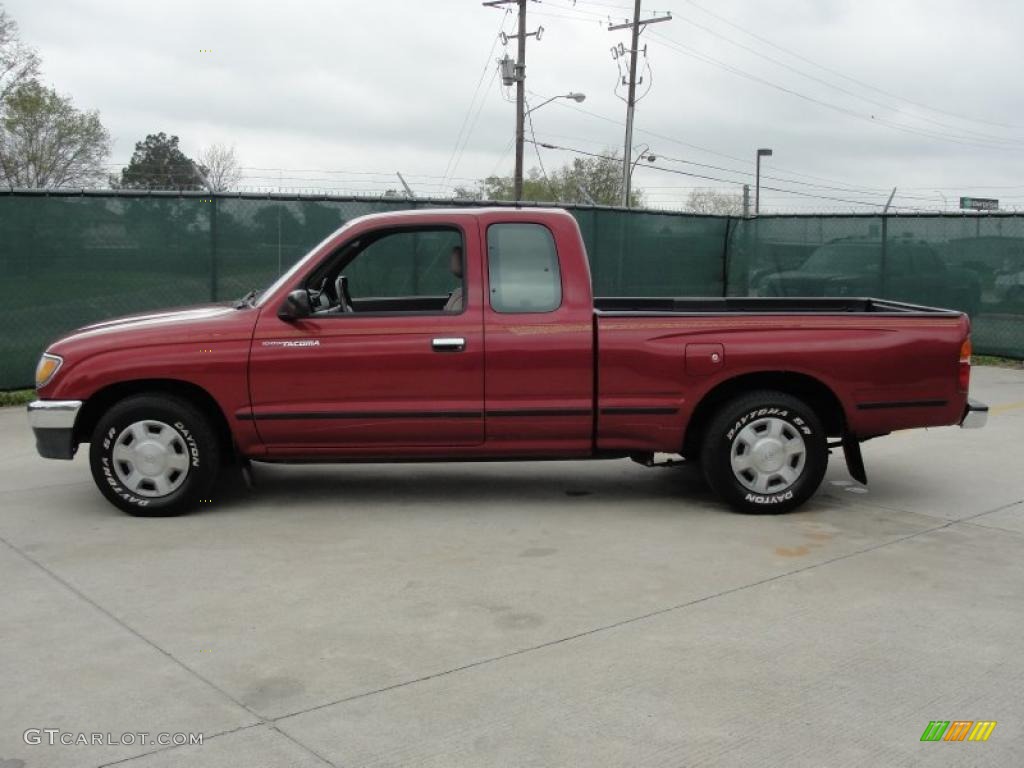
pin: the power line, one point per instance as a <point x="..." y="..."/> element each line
<point x="970" y="136"/>
<point x="549" y="15"/>
<point x="730" y="181"/>
<point x="488" y="62"/>
<point x="854" y="189"/>
<point x="504" y="154"/>
<point x="472" y="127"/>
<point x="686" y="51"/>
<point x="828" y="84"/>
<point x="536" y="148"/>
<point x="689" y="145"/>
<point x="847" y="77"/>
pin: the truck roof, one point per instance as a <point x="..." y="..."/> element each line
<point x="477" y="211"/>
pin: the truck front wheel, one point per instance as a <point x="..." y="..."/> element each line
<point x="154" y="455"/>
<point x="765" y="452"/>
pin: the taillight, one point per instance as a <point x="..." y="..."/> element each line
<point x="965" y="365"/>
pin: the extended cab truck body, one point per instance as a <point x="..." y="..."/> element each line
<point x="474" y="335"/>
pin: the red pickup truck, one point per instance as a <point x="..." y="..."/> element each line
<point x="466" y="335"/>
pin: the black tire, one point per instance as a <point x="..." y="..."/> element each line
<point x="767" y="408"/>
<point x="193" y="443"/>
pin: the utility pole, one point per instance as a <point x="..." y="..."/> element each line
<point x="520" y="100"/>
<point x="757" y="182"/>
<point x="889" y="201"/>
<point x="408" y="189"/>
<point x="746" y="201"/>
<point x="636" y="27"/>
<point x="627" y="180"/>
<point x="520" y="78"/>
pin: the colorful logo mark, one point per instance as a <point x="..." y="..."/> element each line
<point x="958" y="730"/>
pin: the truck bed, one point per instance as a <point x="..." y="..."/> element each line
<point x="889" y="365"/>
<point x="763" y="305"/>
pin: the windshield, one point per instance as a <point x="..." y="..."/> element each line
<point x="844" y="258"/>
<point x="287" y="276"/>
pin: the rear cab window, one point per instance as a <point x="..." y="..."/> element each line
<point x="522" y="269"/>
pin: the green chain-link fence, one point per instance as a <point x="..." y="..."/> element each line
<point x="71" y="259"/>
<point x="971" y="263"/>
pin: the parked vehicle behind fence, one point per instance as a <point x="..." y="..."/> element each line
<point x="907" y="270"/>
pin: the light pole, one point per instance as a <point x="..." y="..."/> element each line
<point x="757" y="182"/>
<point x="517" y="181"/>
<point x="642" y="154"/>
<point x="579" y="98"/>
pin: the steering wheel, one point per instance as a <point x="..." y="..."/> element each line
<point x="342" y="292"/>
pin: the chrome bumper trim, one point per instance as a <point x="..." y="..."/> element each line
<point x="975" y="415"/>
<point x="53" y="414"/>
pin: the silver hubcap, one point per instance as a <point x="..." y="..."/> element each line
<point x="151" y="458"/>
<point x="768" y="455"/>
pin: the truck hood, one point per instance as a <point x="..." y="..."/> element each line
<point x="180" y="324"/>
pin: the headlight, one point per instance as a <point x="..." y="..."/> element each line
<point x="48" y="366"/>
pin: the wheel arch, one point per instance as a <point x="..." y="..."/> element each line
<point x="101" y="400"/>
<point x="818" y="395"/>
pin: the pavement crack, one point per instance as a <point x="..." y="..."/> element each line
<point x="990" y="511"/>
<point x="260" y="720"/>
<point x="994" y="528"/>
<point x="621" y="623"/>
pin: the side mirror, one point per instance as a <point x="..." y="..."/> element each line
<point x="296" y="306"/>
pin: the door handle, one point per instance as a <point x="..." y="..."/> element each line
<point x="451" y="344"/>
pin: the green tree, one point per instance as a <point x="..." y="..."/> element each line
<point x="18" y="62"/>
<point x="593" y="180"/>
<point x="46" y="142"/>
<point x="158" y="163"/>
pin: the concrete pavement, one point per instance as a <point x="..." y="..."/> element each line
<point x="523" y="614"/>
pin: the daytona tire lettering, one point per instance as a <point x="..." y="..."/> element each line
<point x="743" y="468"/>
<point x="196" y="442"/>
<point x="777" y="498"/>
<point x="193" y="449"/>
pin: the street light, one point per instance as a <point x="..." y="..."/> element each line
<point x="757" y="182"/>
<point x="520" y="137"/>
<point x="642" y="154"/>
<point x="577" y="97"/>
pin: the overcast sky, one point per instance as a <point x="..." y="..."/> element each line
<point x="325" y="93"/>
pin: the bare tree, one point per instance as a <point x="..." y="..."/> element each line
<point x="46" y="143"/>
<point x="18" y="62"/>
<point x="712" y="202"/>
<point x="223" y="171"/>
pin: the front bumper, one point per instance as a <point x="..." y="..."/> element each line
<point x="975" y="415"/>
<point x="53" y="423"/>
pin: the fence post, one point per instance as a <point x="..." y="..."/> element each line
<point x="725" y="257"/>
<point x="883" y="276"/>
<point x="213" y="247"/>
<point x="621" y="219"/>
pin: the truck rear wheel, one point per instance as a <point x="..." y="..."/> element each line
<point x="765" y="452"/>
<point x="154" y="455"/>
